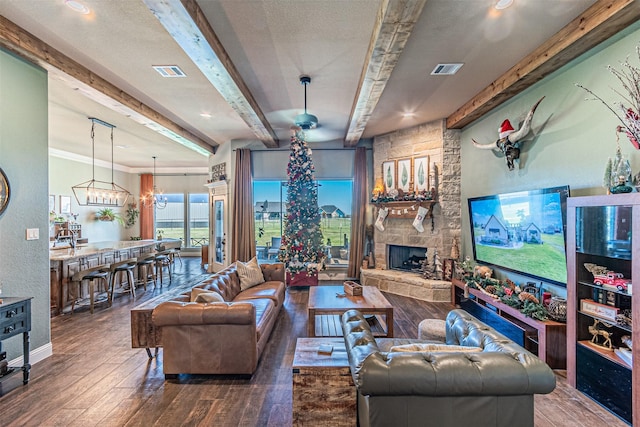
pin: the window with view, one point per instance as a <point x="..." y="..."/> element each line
<point x="171" y="219"/>
<point x="334" y="202"/>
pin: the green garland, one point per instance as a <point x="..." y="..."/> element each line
<point x="509" y="294"/>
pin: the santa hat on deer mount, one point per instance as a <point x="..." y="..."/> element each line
<point x="505" y="129"/>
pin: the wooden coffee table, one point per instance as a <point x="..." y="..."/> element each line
<point x="326" y="307"/>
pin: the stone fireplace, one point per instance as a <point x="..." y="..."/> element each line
<point x="405" y="258"/>
<point x="442" y="146"/>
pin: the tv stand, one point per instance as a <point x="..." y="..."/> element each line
<point x="547" y="339"/>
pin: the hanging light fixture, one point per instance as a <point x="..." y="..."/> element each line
<point x="100" y="193"/>
<point x="154" y="198"/>
<point x="305" y="120"/>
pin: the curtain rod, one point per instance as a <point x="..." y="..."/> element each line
<point x="176" y="174"/>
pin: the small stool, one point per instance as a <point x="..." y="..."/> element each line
<point x="123" y="267"/>
<point x="432" y="329"/>
<point x="146" y="264"/>
<point x="162" y="260"/>
<point x="100" y="272"/>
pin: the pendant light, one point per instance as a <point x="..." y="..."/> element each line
<point x="305" y="120"/>
<point x="100" y="193"/>
<point x="154" y="198"/>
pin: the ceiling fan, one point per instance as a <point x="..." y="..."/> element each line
<point x="305" y="120"/>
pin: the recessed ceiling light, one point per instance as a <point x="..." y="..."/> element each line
<point x="205" y="115"/>
<point x="122" y="146"/>
<point x="169" y="71"/>
<point x="408" y="114"/>
<point x="503" y="4"/>
<point x="77" y="6"/>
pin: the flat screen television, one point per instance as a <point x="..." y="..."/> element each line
<point x="523" y="232"/>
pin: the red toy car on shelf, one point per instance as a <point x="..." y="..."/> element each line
<point x="613" y="279"/>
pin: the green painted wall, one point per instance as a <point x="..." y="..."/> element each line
<point x="24" y="265"/>
<point x="573" y="137"/>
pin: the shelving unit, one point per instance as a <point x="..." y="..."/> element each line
<point x="599" y="231"/>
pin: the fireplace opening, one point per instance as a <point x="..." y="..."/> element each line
<point x="405" y="258"/>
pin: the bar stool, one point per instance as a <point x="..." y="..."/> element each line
<point x="162" y="260"/>
<point x="101" y="272"/>
<point x="146" y="263"/>
<point x="118" y="269"/>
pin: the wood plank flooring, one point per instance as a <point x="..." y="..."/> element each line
<point x="95" y="378"/>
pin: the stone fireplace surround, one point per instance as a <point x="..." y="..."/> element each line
<point x="443" y="148"/>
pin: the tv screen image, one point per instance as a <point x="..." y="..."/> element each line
<point x="523" y="232"/>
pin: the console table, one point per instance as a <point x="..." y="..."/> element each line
<point x="15" y="318"/>
<point x="548" y="340"/>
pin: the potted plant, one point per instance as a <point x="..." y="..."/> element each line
<point x="131" y="215"/>
<point x="160" y="232"/>
<point x="108" y="214"/>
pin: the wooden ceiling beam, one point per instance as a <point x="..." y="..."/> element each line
<point x="59" y="66"/>
<point x="598" y="23"/>
<point x="394" y="23"/>
<point x="187" y="24"/>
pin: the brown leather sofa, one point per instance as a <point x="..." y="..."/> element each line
<point x="492" y="386"/>
<point x="221" y="337"/>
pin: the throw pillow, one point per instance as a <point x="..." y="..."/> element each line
<point x="250" y="273"/>
<point x="441" y="348"/>
<point x="209" y="297"/>
<point x="195" y="292"/>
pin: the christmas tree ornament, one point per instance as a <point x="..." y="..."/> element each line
<point x="382" y="214"/>
<point x="417" y="222"/>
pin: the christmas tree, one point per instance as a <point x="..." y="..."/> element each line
<point x="302" y="247"/>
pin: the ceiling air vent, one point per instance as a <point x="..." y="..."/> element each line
<point x="446" y="69"/>
<point x="169" y="71"/>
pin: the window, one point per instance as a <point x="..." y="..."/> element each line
<point x="334" y="202"/>
<point x="171" y="219"/>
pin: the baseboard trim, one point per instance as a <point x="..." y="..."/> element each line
<point x="35" y="356"/>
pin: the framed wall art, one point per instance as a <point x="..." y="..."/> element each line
<point x="404" y="175"/>
<point x="65" y="204"/>
<point x="389" y="175"/>
<point x="52" y="203"/>
<point x="421" y="173"/>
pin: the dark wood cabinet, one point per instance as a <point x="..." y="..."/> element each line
<point x="599" y="232"/>
<point x="548" y="340"/>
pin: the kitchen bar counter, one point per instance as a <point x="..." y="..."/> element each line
<point x="66" y="261"/>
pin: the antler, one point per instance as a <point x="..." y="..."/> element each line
<point x="526" y="125"/>
<point x="491" y="146"/>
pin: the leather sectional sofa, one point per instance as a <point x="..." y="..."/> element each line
<point x="491" y="386"/>
<point x="221" y="337"/>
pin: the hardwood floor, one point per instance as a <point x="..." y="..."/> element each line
<point x="95" y="378"/>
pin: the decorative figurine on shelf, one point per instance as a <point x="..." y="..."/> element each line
<point x="510" y="140"/>
<point x="607" y="278"/>
<point x="597" y="332"/>
<point x="617" y="175"/>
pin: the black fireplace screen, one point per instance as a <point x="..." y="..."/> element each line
<point x="406" y="258"/>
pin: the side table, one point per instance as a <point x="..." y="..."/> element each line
<point x="15" y="318"/>
<point x="323" y="389"/>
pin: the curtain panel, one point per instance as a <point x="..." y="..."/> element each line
<point x="146" y="214"/>
<point x="243" y="244"/>
<point x="358" y="212"/>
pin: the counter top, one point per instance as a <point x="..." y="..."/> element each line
<point x="65" y="253"/>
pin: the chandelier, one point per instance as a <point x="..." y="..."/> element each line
<point x="100" y="193"/>
<point x="154" y="198"/>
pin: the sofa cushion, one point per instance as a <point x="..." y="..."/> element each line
<point x="430" y="347"/>
<point x="271" y="290"/>
<point x="195" y="292"/>
<point x="209" y="297"/>
<point x="250" y="273"/>
<point x="265" y="309"/>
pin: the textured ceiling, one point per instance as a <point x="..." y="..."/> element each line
<point x="271" y="43"/>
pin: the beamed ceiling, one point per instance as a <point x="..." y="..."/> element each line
<point x="369" y="61"/>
